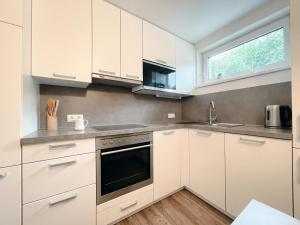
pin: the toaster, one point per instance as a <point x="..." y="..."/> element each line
<point x="278" y="116"/>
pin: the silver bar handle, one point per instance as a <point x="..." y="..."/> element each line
<point x="169" y="132"/>
<point x="67" y="163"/>
<point x="62" y="146"/>
<point x="203" y="133"/>
<point x="251" y="141"/>
<point x="64" y="76"/>
<point x="124" y="207"/>
<point x="161" y="61"/>
<point x="3" y="174"/>
<point x="132" y="76"/>
<point x="61" y="200"/>
<point x="107" y="72"/>
<point x="125" y="150"/>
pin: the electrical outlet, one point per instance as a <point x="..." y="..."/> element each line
<point x="171" y="115"/>
<point x="73" y="117"/>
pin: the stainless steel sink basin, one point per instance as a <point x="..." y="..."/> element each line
<point x="226" y="125"/>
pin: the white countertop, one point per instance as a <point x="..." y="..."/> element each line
<point x="257" y="213"/>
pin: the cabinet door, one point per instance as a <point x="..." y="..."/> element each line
<point x="106" y="38"/>
<point x="297" y="182"/>
<point x="184" y="157"/>
<point x="185" y="66"/>
<point x="10" y="195"/>
<point x="10" y="93"/>
<point x="11" y="11"/>
<point x="258" y="168"/>
<point x="166" y="162"/>
<point x="131" y="47"/>
<point x="61" y="40"/>
<point x="207" y="166"/>
<point x="158" y="45"/>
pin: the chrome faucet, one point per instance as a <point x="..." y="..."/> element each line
<point x="211" y="119"/>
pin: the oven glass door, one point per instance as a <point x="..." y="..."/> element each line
<point x="124" y="166"/>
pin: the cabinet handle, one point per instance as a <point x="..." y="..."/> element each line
<point x="161" y="61"/>
<point x="168" y="132"/>
<point x="64" y="76"/>
<point x="107" y="72"/>
<point x="62" y="146"/>
<point x="51" y="165"/>
<point x="251" y="141"/>
<point x="203" y="133"/>
<point x="3" y="174"/>
<point x="132" y="76"/>
<point x="61" y="200"/>
<point x="124" y="207"/>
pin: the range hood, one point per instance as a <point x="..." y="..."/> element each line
<point x="116" y="81"/>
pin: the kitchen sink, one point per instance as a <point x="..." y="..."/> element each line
<point x="226" y="125"/>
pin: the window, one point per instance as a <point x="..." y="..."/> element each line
<point x="259" y="52"/>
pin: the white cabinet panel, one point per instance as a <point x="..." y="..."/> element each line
<point x="295" y="50"/>
<point x="11" y="11"/>
<point x="258" y="168"/>
<point x="207" y="165"/>
<point x="106" y="38"/>
<point x="158" y="45"/>
<point x="62" y="41"/>
<point x="185" y="66"/>
<point x="47" y="178"/>
<point x="10" y="93"/>
<point x="184" y="157"/>
<point x="10" y="195"/>
<point x="76" y="207"/>
<point x="131" y="47"/>
<point x="166" y="162"/>
<point x="296" y="173"/>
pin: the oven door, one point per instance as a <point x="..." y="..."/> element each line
<point x="123" y="169"/>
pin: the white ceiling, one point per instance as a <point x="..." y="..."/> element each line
<point x="191" y="20"/>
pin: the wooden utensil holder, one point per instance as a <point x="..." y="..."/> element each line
<point x="51" y="123"/>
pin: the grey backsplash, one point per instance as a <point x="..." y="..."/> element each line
<point x="244" y="106"/>
<point x="102" y="104"/>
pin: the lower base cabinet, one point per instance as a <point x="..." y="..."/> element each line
<point x="10" y="195"/>
<point x="297" y="183"/>
<point x="258" y="168"/>
<point x="76" y="207"/>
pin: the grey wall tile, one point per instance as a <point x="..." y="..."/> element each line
<point x="238" y="106"/>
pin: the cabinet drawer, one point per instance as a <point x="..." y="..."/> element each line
<point x="10" y="195"/>
<point x="51" y="177"/>
<point x="124" y="206"/>
<point x="51" y="150"/>
<point x="71" y="208"/>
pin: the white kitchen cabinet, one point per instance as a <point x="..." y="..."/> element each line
<point x="10" y="93"/>
<point x="11" y="11"/>
<point x="166" y="162"/>
<point x="106" y="38"/>
<point x="207" y="166"/>
<point x="185" y="66"/>
<point x="184" y="157"/>
<point x="258" y="168"/>
<point x="131" y="47"/>
<point x="76" y="207"/>
<point x="10" y="195"/>
<point x="295" y="51"/>
<point x="62" y="42"/>
<point x="158" y="45"/>
<point x="296" y="173"/>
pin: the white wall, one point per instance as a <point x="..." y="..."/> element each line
<point x="30" y="89"/>
<point x="262" y="16"/>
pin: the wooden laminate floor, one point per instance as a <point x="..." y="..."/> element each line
<point x="182" y="208"/>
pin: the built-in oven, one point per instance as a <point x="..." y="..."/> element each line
<point x="124" y="164"/>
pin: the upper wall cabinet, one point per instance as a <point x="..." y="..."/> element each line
<point x="106" y="38"/>
<point x="158" y="45"/>
<point x="61" y="41"/>
<point x="185" y="66"/>
<point x="11" y="11"/>
<point x="131" y="47"/>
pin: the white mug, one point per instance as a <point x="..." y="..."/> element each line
<point x="81" y="124"/>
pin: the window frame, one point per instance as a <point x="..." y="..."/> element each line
<point x="286" y="64"/>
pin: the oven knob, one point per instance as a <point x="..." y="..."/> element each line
<point x="111" y="142"/>
<point x="104" y="143"/>
<point x="120" y="140"/>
